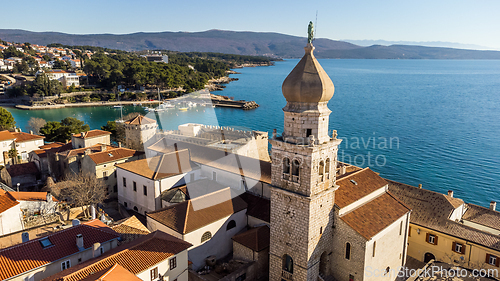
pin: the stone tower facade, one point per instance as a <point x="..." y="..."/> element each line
<point x="138" y="131"/>
<point x="304" y="161"/>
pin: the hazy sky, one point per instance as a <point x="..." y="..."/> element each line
<point x="468" y="22"/>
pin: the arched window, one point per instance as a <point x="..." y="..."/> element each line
<point x="321" y="170"/>
<point x="327" y="168"/>
<point x="230" y="225"/>
<point x="286" y="166"/>
<point x="287" y="263"/>
<point x="295" y="170"/>
<point x="348" y="251"/>
<point x="206" y="236"/>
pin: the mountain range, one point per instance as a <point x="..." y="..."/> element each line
<point x="244" y="43"/>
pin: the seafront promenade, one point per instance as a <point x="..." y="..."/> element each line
<point x="84" y="104"/>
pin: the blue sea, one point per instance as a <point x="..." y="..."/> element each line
<point x="429" y="122"/>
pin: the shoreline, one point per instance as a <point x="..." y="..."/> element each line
<point x="212" y="86"/>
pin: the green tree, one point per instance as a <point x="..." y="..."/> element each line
<point x="6" y="120"/>
<point x="61" y="131"/>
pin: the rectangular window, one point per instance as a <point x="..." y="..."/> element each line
<point x="409" y="231"/>
<point x="432" y="239"/>
<point x="65" y="265"/>
<point x="401" y="228"/>
<point x="458" y="247"/>
<point x="124" y="182"/>
<point x="104" y="174"/>
<point x="134" y="184"/>
<point x="173" y="263"/>
<point x="374" y="246"/>
<point x="145" y="190"/>
<point x="492" y="260"/>
<point x="154" y="273"/>
<point x="214" y="176"/>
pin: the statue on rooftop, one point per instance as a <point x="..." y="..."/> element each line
<point x="310" y="32"/>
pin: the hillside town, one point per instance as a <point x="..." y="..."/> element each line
<point x="208" y="203"/>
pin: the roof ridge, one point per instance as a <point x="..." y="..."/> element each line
<point x="355" y="173"/>
<point x="399" y="201"/>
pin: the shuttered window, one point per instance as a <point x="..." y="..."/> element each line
<point x="458" y="248"/>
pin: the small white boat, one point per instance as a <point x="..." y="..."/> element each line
<point x="117" y="106"/>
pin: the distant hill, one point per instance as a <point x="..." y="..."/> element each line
<point x="244" y="43"/>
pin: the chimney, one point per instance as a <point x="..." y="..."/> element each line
<point x="49" y="197"/>
<point x="67" y="141"/>
<point x="25" y="236"/>
<point x="83" y="135"/>
<point x="31" y="132"/>
<point x="450" y="193"/>
<point x="420" y="186"/>
<point x="87" y="151"/>
<point x="493" y="205"/>
<point x="103" y="147"/>
<point x="343" y="169"/>
<point x="75" y="222"/>
<point x="79" y="242"/>
<point x="96" y="250"/>
<point x="92" y="212"/>
<point x="119" y="144"/>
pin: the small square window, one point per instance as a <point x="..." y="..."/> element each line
<point x="492" y="260"/>
<point x="173" y="263"/>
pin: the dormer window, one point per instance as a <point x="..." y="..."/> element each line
<point x="46" y="243"/>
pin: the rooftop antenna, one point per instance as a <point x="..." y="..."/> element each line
<point x="315" y="26"/>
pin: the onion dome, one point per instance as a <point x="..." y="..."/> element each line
<point x="308" y="82"/>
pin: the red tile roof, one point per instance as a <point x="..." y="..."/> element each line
<point x="136" y="256"/>
<point x="23" y="137"/>
<point x="31" y="196"/>
<point x="52" y="145"/>
<point x="6" y="135"/>
<point x="6" y="201"/>
<point x="356" y="186"/>
<point x="22" y="169"/>
<point x="140" y="120"/>
<point x="193" y="214"/>
<point x="116" y="272"/>
<point x="257" y="238"/>
<point x="158" y="167"/>
<point x="376" y="215"/>
<point x="113" y="155"/>
<point x="92" y="134"/>
<point x="30" y="255"/>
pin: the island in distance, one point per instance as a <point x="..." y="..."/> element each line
<point x="243" y="43"/>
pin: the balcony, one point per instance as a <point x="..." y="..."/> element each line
<point x="286" y="275"/>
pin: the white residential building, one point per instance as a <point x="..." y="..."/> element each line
<point x="11" y="216"/>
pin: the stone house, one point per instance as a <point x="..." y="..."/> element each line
<point x="207" y="222"/>
<point x="41" y="157"/>
<point x="45" y="256"/>
<point x="156" y="256"/>
<point x="90" y="138"/>
<point x="445" y="228"/>
<point x="253" y="245"/>
<point x="70" y="161"/>
<point x="11" y="216"/>
<point x="26" y="175"/>
<point x="138" y="131"/>
<point x="103" y="165"/>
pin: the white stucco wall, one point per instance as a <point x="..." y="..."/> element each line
<point x="24" y="148"/>
<point x="11" y="220"/>
<point x="144" y="203"/>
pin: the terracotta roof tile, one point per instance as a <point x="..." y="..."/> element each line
<point x="375" y="215"/>
<point x="74" y="152"/>
<point x="130" y="229"/>
<point x="258" y="207"/>
<point x="432" y="210"/>
<point x="6" y="201"/>
<point x="113" y="155"/>
<point x="140" y="120"/>
<point x="22" y="169"/>
<point x="257" y="238"/>
<point x="30" y="255"/>
<point x="23" y="137"/>
<point x="52" y="145"/>
<point x="115" y="272"/>
<point x="135" y="257"/>
<point x="92" y="134"/>
<point x="190" y="215"/>
<point x="31" y="196"/>
<point x="159" y="167"/>
<point x="6" y="135"/>
<point x="356" y="186"/>
<point x="483" y="216"/>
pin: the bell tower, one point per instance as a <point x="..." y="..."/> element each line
<point x="304" y="161"/>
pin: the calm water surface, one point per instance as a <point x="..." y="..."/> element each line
<point x="434" y="122"/>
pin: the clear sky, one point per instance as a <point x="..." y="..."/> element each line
<point x="461" y="21"/>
